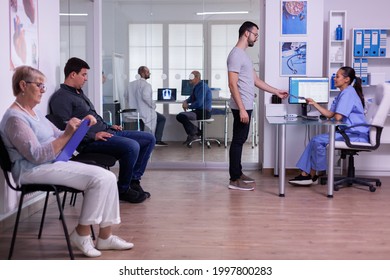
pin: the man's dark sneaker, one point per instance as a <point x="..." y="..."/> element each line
<point x="315" y="179"/>
<point x="161" y="143"/>
<point x="246" y="179"/>
<point x="301" y="180"/>
<point x="132" y="196"/>
<point x="187" y="140"/>
<point x="136" y="185"/>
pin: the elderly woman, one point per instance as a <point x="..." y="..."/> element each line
<point x="33" y="143"/>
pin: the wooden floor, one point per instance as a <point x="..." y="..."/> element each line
<point x="192" y="215"/>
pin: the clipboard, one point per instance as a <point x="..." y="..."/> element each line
<point x="74" y="141"/>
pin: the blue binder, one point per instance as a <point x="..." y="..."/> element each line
<point x="358" y="43"/>
<point x="374" y="46"/>
<point x="357" y="66"/>
<point x="382" y="42"/>
<point x="73" y="142"/>
<point x="366" y="42"/>
<point x="364" y="71"/>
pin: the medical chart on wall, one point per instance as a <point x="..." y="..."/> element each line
<point x="293" y="58"/>
<point x="23" y="33"/>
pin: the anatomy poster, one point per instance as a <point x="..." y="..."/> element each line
<point x="23" y="33"/>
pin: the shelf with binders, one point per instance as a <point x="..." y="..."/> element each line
<point x="370" y="55"/>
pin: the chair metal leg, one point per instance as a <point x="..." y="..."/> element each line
<point x="11" y="250"/>
<point x="43" y="215"/>
<point x="73" y="199"/>
<point x="62" y="218"/>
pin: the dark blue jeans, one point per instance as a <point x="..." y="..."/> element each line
<point x="160" y="126"/>
<point x="186" y="117"/>
<point x="240" y="135"/>
<point x="131" y="148"/>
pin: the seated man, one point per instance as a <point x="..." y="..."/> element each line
<point x="131" y="148"/>
<point x="200" y="104"/>
<point x="139" y="95"/>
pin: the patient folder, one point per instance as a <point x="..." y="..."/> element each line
<point x="374" y="47"/>
<point x="358" y="43"/>
<point x="382" y="42"/>
<point x="73" y="142"/>
<point x="366" y="42"/>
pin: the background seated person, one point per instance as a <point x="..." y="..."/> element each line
<point x="139" y="95"/>
<point x="199" y="102"/>
<point x="33" y="143"/>
<point x="348" y="107"/>
<point x="131" y="148"/>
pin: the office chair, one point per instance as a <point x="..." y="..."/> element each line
<point x="203" y="138"/>
<point x="127" y="115"/>
<point x="25" y="189"/>
<point x="376" y="116"/>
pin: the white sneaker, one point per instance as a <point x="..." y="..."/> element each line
<point x="84" y="244"/>
<point x="113" y="243"/>
<point x="240" y="185"/>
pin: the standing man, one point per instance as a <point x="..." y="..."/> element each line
<point x="139" y="95"/>
<point x="131" y="148"/>
<point x="242" y="80"/>
<point x="200" y="104"/>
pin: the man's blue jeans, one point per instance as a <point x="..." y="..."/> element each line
<point x="131" y="148"/>
<point x="240" y="135"/>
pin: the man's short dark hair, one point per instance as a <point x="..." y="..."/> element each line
<point x="248" y="25"/>
<point x="74" y="64"/>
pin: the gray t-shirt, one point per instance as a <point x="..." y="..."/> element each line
<point x="239" y="62"/>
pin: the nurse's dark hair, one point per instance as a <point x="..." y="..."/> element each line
<point x="356" y="82"/>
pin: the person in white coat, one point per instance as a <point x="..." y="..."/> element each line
<point x="139" y="95"/>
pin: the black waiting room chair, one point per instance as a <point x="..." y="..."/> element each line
<point x="25" y="189"/>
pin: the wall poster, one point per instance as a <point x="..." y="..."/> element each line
<point x="294" y="17"/>
<point x="23" y="33"/>
<point x="293" y="58"/>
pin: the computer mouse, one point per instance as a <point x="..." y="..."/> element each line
<point x="322" y="117"/>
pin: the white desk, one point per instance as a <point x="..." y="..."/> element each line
<point x="281" y="123"/>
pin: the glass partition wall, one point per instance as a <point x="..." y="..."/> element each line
<point x="173" y="38"/>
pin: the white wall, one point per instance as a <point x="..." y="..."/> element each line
<point x="314" y="67"/>
<point x="49" y="38"/>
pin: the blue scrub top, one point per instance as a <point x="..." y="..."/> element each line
<point x="348" y="104"/>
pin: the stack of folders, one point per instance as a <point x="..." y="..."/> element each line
<point x="360" y="65"/>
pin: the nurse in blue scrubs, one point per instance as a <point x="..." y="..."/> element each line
<point x="347" y="107"/>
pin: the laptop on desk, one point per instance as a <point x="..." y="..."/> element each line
<point x="166" y="94"/>
<point x="74" y="141"/>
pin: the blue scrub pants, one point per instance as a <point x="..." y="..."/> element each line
<point x="315" y="154"/>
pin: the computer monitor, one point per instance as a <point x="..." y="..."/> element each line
<point x="186" y="87"/>
<point x="166" y="94"/>
<point x="300" y="88"/>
